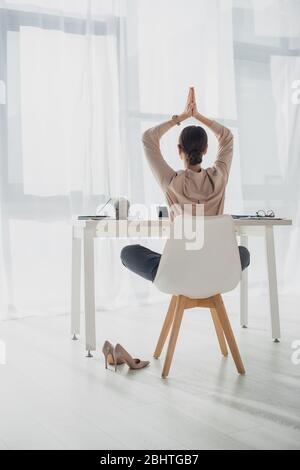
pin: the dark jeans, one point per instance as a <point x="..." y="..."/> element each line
<point x="145" y="263"/>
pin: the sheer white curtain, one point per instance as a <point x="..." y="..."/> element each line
<point x="277" y="18"/>
<point x="63" y="143"/>
<point x="79" y="82"/>
<point x="267" y="54"/>
<point x="285" y="73"/>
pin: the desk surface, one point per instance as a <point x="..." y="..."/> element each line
<point x="111" y="228"/>
<point x="263" y="222"/>
<point x="166" y="222"/>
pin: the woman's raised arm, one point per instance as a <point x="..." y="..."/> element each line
<point x="151" y="140"/>
<point x="225" y="138"/>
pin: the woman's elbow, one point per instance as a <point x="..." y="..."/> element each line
<point x="150" y="137"/>
<point x="228" y="138"/>
<point x="230" y="135"/>
<point x="227" y="134"/>
<point x="146" y="137"/>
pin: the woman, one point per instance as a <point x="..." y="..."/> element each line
<point x="194" y="185"/>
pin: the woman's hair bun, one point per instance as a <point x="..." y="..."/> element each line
<point x="195" y="157"/>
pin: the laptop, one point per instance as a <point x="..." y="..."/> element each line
<point x="98" y="215"/>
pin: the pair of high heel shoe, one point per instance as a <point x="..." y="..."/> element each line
<point x="116" y="356"/>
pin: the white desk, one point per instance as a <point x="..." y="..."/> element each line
<point x="85" y="233"/>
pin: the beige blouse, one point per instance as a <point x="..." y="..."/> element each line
<point x="188" y="187"/>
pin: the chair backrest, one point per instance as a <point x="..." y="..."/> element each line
<point x="202" y="273"/>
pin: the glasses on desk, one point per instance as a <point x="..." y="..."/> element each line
<point x="266" y="214"/>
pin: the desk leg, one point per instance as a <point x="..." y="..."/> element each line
<point x="244" y="290"/>
<point x="89" y="292"/>
<point x="76" y="286"/>
<point x="273" y="289"/>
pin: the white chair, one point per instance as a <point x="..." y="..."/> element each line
<point x="197" y="278"/>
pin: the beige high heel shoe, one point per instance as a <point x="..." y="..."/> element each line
<point x="122" y="355"/>
<point x="110" y="356"/>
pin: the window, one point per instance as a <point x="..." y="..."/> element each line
<point x="41" y="61"/>
<point x="256" y="51"/>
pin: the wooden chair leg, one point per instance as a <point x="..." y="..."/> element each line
<point x="180" y="307"/>
<point x="219" y="331"/>
<point x="166" y="328"/>
<point x="222" y="314"/>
